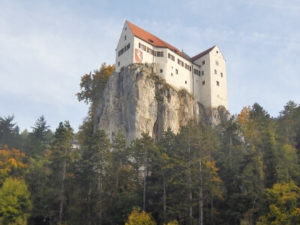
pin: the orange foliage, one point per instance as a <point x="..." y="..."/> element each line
<point x="243" y="117"/>
<point x="11" y="162"/>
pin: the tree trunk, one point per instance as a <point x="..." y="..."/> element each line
<point x="145" y="179"/>
<point x="99" y="191"/>
<point x="190" y="184"/>
<point x="144" y="189"/>
<point x="200" y="221"/>
<point x="164" y="199"/>
<point x="89" y="204"/>
<point x="62" y="189"/>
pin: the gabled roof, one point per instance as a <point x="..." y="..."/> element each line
<point x="151" y="39"/>
<point x="202" y="53"/>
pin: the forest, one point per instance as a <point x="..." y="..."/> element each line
<point x="243" y="171"/>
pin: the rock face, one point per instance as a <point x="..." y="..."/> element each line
<point x="136" y="101"/>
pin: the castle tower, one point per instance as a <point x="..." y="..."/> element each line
<point x="210" y="88"/>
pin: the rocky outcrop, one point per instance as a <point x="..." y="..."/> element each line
<point x="137" y="101"/>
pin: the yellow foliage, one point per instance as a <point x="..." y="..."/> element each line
<point x="138" y="217"/>
<point x="243" y="117"/>
<point x="11" y="162"/>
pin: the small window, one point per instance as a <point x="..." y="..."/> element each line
<point x="176" y="71"/>
<point x="221" y="74"/>
<point x="216" y="72"/>
<point x="203" y="82"/>
<point x="160" y="54"/>
<point x="218" y="83"/>
<point x="172" y="57"/>
<point x="125" y="28"/>
<point x="171" y="74"/>
<point x="217" y="62"/>
<point x="125" y="37"/>
<point x="203" y="62"/>
<point x="217" y="52"/>
<point x="202" y="73"/>
<point x="161" y="70"/>
<point x="119" y="63"/>
<point x="185" y="82"/>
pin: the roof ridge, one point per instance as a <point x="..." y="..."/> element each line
<point x="147" y="36"/>
<point x="203" y="53"/>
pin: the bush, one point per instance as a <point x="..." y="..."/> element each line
<point x="138" y="217"/>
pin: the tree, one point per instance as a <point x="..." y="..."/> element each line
<point x="93" y="172"/>
<point x="61" y="156"/>
<point x="139" y="218"/>
<point x="12" y="163"/>
<point x="15" y="204"/>
<point x="9" y="132"/>
<point x="141" y="151"/>
<point x="92" y="85"/>
<point x="39" y="139"/>
<point x="284" y="205"/>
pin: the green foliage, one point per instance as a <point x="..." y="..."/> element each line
<point x="38" y="141"/>
<point x="243" y="171"/>
<point x="9" y="133"/>
<point x="139" y="218"/>
<point x="15" y="204"/>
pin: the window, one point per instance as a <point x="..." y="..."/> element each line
<point x="180" y="62"/>
<point x="124" y="49"/>
<point x="217" y="52"/>
<point x="149" y="50"/>
<point x="172" y="57"/>
<point x="216" y="72"/>
<point x="185" y="82"/>
<point x="188" y="67"/>
<point x="171" y="74"/>
<point x="160" y="54"/>
<point x="197" y="72"/>
<point x="119" y="63"/>
<point x="203" y="62"/>
<point x="218" y="83"/>
<point x="202" y="73"/>
<point x="176" y="71"/>
<point x="217" y="62"/>
<point x="203" y="82"/>
<point x="125" y="37"/>
<point x="143" y="47"/>
<point x="221" y="74"/>
<point x="161" y="70"/>
<point x="125" y="28"/>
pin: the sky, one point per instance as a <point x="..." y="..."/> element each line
<point x="47" y="45"/>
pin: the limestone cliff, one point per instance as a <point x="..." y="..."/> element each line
<point x="136" y="101"/>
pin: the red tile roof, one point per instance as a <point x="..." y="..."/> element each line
<point x="157" y="42"/>
<point x="151" y="39"/>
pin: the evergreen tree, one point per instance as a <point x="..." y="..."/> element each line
<point x="9" y="133"/>
<point x="61" y="157"/>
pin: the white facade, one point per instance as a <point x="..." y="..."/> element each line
<point x="203" y="76"/>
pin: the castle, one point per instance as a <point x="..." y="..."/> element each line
<point x="203" y="76"/>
